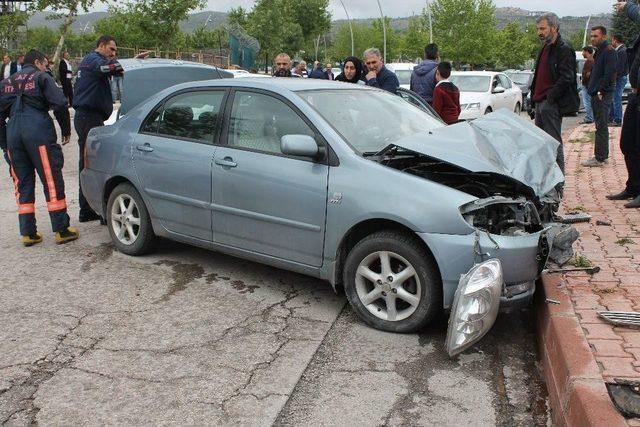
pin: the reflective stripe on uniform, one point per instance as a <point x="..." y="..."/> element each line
<point x="48" y="175"/>
<point x="57" y="205"/>
<point x="16" y="182"/>
<point x="26" y="208"/>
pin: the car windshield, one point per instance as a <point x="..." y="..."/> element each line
<point x="520" y="78"/>
<point x="471" y="83"/>
<point x="369" y="120"/>
<point x="404" y="76"/>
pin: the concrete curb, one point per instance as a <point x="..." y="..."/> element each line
<point x="577" y="393"/>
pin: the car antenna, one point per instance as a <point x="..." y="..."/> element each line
<point x="219" y="73"/>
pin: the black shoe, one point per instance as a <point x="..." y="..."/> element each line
<point x="635" y="203"/>
<point x="88" y="217"/>
<point x="624" y="195"/>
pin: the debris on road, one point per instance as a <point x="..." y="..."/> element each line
<point x="590" y="270"/>
<point x="603" y="222"/>
<point x="621" y="318"/>
<point x="575" y="217"/>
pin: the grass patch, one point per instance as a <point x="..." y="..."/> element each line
<point x="625" y="241"/>
<point x="578" y="208"/>
<point x="588" y="138"/>
<point x="581" y="261"/>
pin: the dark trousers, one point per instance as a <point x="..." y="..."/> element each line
<point x="83" y="123"/>
<point x="549" y="119"/>
<point x="31" y="148"/>
<point x="601" y="117"/>
<point x="630" y="143"/>
<point x="67" y="89"/>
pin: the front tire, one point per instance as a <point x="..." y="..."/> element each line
<point x="488" y="111"/>
<point x="518" y="108"/>
<point x="392" y="283"/>
<point x="129" y="221"/>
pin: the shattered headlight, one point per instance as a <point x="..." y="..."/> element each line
<point x="475" y="306"/>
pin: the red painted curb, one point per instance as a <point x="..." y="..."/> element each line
<point x="577" y="393"/>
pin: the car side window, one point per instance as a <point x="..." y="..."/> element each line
<point x="504" y="80"/>
<point x="496" y="83"/>
<point x="259" y="121"/>
<point x="191" y="115"/>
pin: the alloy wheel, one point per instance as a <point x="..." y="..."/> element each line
<point x="388" y="286"/>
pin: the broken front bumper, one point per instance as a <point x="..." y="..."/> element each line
<point x="522" y="259"/>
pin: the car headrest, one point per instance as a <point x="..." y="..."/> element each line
<point x="178" y="116"/>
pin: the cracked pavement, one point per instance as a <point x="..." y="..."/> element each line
<point x="188" y="336"/>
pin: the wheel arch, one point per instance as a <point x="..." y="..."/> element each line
<point x="365" y="228"/>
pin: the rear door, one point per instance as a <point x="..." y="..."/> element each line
<point x="173" y="155"/>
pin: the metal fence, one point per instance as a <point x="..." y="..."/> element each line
<point x="218" y="58"/>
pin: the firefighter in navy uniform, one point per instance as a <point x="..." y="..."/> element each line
<point x="93" y="102"/>
<point x="29" y="143"/>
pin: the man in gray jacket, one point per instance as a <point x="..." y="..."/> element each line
<point x="423" y="78"/>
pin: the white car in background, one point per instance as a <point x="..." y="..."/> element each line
<point x="482" y="92"/>
<point x="403" y="70"/>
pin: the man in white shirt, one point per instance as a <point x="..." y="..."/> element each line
<point x="5" y="69"/>
<point x="65" y="71"/>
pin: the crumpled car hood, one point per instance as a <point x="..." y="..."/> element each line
<point x="501" y="143"/>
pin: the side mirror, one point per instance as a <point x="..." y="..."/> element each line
<point x="498" y="89"/>
<point x="299" y="145"/>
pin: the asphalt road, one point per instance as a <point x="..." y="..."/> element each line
<point x="188" y="336"/>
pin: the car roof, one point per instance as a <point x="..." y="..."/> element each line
<point x="476" y="73"/>
<point x="401" y="65"/>
<point x="294" y="84"/>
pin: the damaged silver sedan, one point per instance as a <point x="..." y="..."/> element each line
<point x="346" y="183"/>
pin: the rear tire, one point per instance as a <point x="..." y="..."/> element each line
<point x="518" y="108"/>
<point x="129" y="222"/>
<point x="408" y="301"/>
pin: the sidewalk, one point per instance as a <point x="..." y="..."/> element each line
<point x="580" y="352"/>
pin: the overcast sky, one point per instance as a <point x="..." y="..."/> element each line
<point x="395" y="8"/>
<point x="401" y="8"/>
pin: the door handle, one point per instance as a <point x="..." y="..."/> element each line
<point x="146" y="148"/>
<point x="226" y="162"/>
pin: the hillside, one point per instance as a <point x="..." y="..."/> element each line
<point x="569" y="24"/>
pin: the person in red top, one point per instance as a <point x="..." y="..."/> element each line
<point x="446" y="95"/>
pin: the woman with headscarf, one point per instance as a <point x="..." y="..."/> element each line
<point x="352" y="71"/>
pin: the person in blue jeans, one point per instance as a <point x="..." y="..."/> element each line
<point x="587" y="54"/>
<point x="622" y="77"/>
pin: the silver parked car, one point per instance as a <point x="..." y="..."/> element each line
<point x="346" y="183"/>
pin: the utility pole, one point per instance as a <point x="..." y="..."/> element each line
<point x="586" y="29"/>
<point x="384" y="33"/>
<point x="430" y="22"/>
<point x="353" y="49"/>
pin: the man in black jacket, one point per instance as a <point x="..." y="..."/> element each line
<point x="630" y="136"/>
<point x="377" y="74"/>
<point x="622" y="77"/>
<point x="601" y="87"/>
<point x="65" y="70"/>
<point x="554" y="90"/>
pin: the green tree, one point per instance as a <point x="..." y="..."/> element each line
<point x="512" y="48"/>
<point x="286" y="25"/>
<point x="341" y="45"/>
<point x="10" y="24"/>
<point x="42" y="38"/>
<point x="415" y="39"/>
<point x="464" y="30"/>
<point x="149" y="23"/>
<point x="624" y="27"/>
<point x="69" y="10"/>
<point x="238" y="16"/>
<point x="201" y="38"/>
<point x="576" y="40"/>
